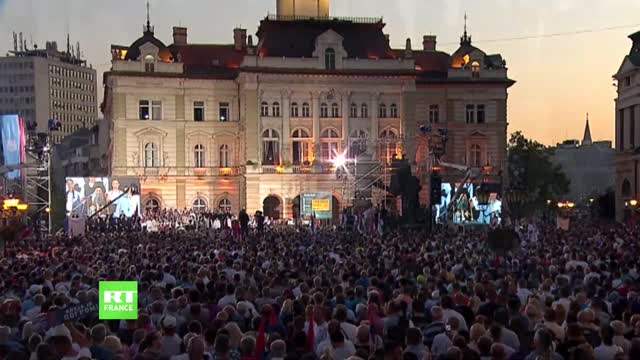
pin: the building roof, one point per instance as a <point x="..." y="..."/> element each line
<point x="634" y="53"/>
<point x="297" y="37"/>
<point x="133" y="51"/>
<point x="586" y="139"/>
<point x="208" y="54"/>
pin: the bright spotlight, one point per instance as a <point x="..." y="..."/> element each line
<point x="339" y="161"/>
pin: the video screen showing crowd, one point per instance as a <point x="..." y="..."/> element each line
<point x="89" y="197"/>
<point x="476" y="204"/>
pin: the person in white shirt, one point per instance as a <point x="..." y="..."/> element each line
<point x="74" y="198"/>
<point x="448" y="313"/>
<point x="349" y="329"/>
<point x="229" y="298"/>
<point x="523" y="293"/>
<point x="443" y="341"/>
<point x="607" y="349"/>
<point x="337" y="347"/>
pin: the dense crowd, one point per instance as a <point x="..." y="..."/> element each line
<point x="293" y="293"/>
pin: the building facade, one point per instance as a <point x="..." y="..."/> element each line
<point x="628" y="131"/>
<point x="588" y="165"/>
<point x="43" y="84"/>
<point x="253" y="126"/>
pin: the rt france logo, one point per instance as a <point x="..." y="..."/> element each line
<point x="118" y="300"/>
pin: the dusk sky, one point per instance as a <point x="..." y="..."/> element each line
<point x="559" y="78"/>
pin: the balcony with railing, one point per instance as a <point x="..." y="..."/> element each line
<point x="351" y="19"/>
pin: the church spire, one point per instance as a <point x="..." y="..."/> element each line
<point x="148" y="29"/>
<point x="586" y="139"/>
<point x="465" y="39"/>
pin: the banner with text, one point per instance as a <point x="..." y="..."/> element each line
<point x="318" y="204"/>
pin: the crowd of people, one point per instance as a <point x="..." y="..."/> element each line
<point x="330" y="293"/>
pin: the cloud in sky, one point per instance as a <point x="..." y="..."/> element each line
<point x="559" y="79"/>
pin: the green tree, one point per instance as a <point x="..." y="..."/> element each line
<point x="533" y="175"/>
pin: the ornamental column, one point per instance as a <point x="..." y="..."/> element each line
<point x="286" y="131"/>
<point x="345" y="119"/>
<point x="315" y="112"/>
<point x="374" y="131"/>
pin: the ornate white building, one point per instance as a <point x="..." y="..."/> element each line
<point x="254" y="125"/>
<point x="628" y="130"/>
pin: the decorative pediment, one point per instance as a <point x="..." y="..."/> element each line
<point x="198" y="134"/>
<point x="329" y="39"/>
<point x="224" y="135"/>
<point x="151" y="131"/>
<point x="330" y="36"/>
<point x="477" y="134"/>
<point x="148" y="48"/>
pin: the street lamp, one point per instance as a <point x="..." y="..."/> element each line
<point x="566" y="204"/>
<point x="633" y="202"/>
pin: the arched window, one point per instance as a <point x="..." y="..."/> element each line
<point x="324" y="110"/>
<point x="264" y="109"/>
<point x="152" y="205"/>
<point x="353" y="110"/>
<point x="199" y="204"/>
<point x="151" y="157"/>
<point x="475" y="69"/>
<point x="626" y="188"/>
<point x="149" y="63"/>
<point x="383" y="111"/>
<point x="330" y="147"/>
<point x="305" y="110"/>
<point x="335" y="110"/>
<point x="388" y="145"/>
<point x="276" y="109"/>
<point x="330" y="59"/>
<point x="271" y="147"/>
<point x="358" y="143"/>
<point x="364" y="111"/>
<point x="393" y="109"/>
<point x="294" y="110"/>
<point x="225" y="206"/>
<point x="224" y="156"/>
<point x="198" y="156"/>
<point x="475" y="155"/>
<point x="301" y="146"/>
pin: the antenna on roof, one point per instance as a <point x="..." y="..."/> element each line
<point x="15" y="41"/>
<point x="148" y="17"/>
<point x="22" y="43"/>
<point x="68" y="44"/>
<point x="465" y="24"/>
<point x="78" y="50"/>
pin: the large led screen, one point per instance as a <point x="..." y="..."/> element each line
<point x="476" y="204"/>
<point x="102" y="196"/>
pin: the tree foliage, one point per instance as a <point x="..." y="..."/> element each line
<point x="605" y="205"/>
<point x="532" y="172"/>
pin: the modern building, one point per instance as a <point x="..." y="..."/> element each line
<point x="628" y="131"/>
<point x="588" y="165"/>
<point x="255" y="124"/>
<point x="84" y="153"/>
<point x="42" y="84"/>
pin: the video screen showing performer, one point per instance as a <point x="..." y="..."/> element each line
<point x="85" y="196"/>
<point x="476" y="203"/>
<point x="89" y="196"/>
<point x="126" y="194"/>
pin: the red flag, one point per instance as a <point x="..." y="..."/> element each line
<point x="310" y="336"/>
<point x="260" y="340"/>
<point x="273" y="318"/>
